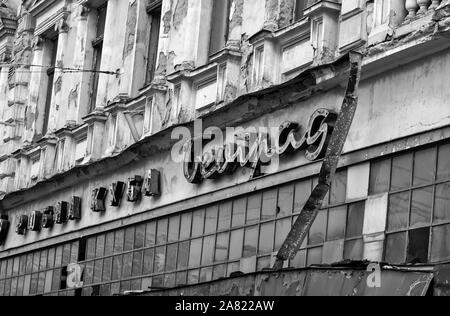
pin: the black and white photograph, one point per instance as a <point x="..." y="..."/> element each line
<point x="215" y="156"/>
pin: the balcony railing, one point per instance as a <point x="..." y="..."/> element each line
<point x="420" y="7"/>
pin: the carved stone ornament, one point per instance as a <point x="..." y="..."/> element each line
<point x="61" y="26"/>
<point x="38" y="43"/>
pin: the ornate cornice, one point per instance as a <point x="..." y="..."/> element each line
<point x="8" y="21"/>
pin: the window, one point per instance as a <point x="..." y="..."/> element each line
<point x="51" y="44"/>
<point x="418" y="222"/>
<point x="300" y="6"/>
<point x="97" y="44"/>
<point x="154" y="11"/>
<point x="219" y="25"/>
<point x="198" y="245"/>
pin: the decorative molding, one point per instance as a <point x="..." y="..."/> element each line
<point x="53" y="21"/>
<point x="38" y="43"/>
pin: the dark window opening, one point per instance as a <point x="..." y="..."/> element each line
<point x="154" y="12"/>
<point x="219" y="25"/>
<point x="419" y="240"/>
<point x="97" y="44"/>
<point x="300" y="6"/>
<point x="52" y="45"/>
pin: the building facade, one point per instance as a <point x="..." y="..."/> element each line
<point x="96" y="96"/>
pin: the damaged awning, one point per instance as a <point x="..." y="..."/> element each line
<point x="355" y="279"/>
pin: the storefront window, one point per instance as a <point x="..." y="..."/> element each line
<point x="195" y="246"/>
<point x="418" y="212"/>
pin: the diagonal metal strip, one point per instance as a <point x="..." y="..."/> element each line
<point x="309" y="213"/>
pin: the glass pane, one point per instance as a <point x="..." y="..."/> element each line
<point x="239" y="207"/>
<point x="211" y="219"/>
<point x="150" y="234"/>
<point x="398" y="211"/>
<point x="195" y="253"/>
<point x="314" y="256"/>
<point x="183" y="254"/>
<point x="149" y="255"/>
<point x="440" y="249"/>
<point x="137" y="263"/>
<point x="74" y="252"/>
<point x="171" y="261"/>
<point x="401" y="172"/>
<point x="269" y="204"/>
<point x="88" y="272"/>
<point x="283" y="227"/>
<point x="127" y="265"/>
<point x="286" y="200"/>
<point x="419" y="240"/>
<point x="193" y="276"/>
<point x="160" y="259"/>
<point x="90" y="248"/>
<point x="139" y="238"/>
<point x="181" y="278"/>
<point x="299" y="260"/>
<point x="161" y="236"/>
<point x="66" y="254"/>
<point x="302" y="193"/>
<point x="58" y="257"/>
<point x="206" y="274"/>
<point x="42" y="264"/>
<point x="442" y="203"/>
<point x="380" y="173"/>
<point x="233" y="267"/>
<point x="266" y="238"/>
<point x="136" y="285"/>
<point x="250" y="242"/>
<point x="98" y="266"/>
<point x="186" y="222"/>
<point x="197" y="224"/>
<point x="219" y="271"/>
<point x="117" y="268"/>
<point x="36" y="261"/>
<point x="208" y="250"/>
<point x="225" y="210"/>
<point x="107" y="268"/>
<point x="118" y="241"/>
<point x="353" y="250"/>
<point x="355" y="221"/>
<point x="443" y="172"/>
<point x="263" y="263"/>
<point x="158" y="282"/>
<point x="236" y="240"/>
<point x="318" y="229"/>
<point x="421" y="206"/>
<point x="109" y="244"/>
<point x="254" y="208"/>
<point x="425" y="166"/>
<point x="30" y="261"/>
<point x="100" y="246"/>
<point x="395" y="248"/>
<point x="337" y="219"/>
<point x="50" y="261"/>
<point x="174" y="228"/>
<point x="222" y="247"/>
<point x="338" y="192"/>
<point x="169" y="280"/>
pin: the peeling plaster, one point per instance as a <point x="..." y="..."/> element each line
<point x="180" y="14"/>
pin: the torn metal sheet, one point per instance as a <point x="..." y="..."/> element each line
<point x="336" y="144"/>
<point x="317" y="281"/>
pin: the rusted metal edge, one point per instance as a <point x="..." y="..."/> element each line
<point x="335" y="146"/>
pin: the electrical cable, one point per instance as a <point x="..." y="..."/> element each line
<point x="63" y="69"/>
